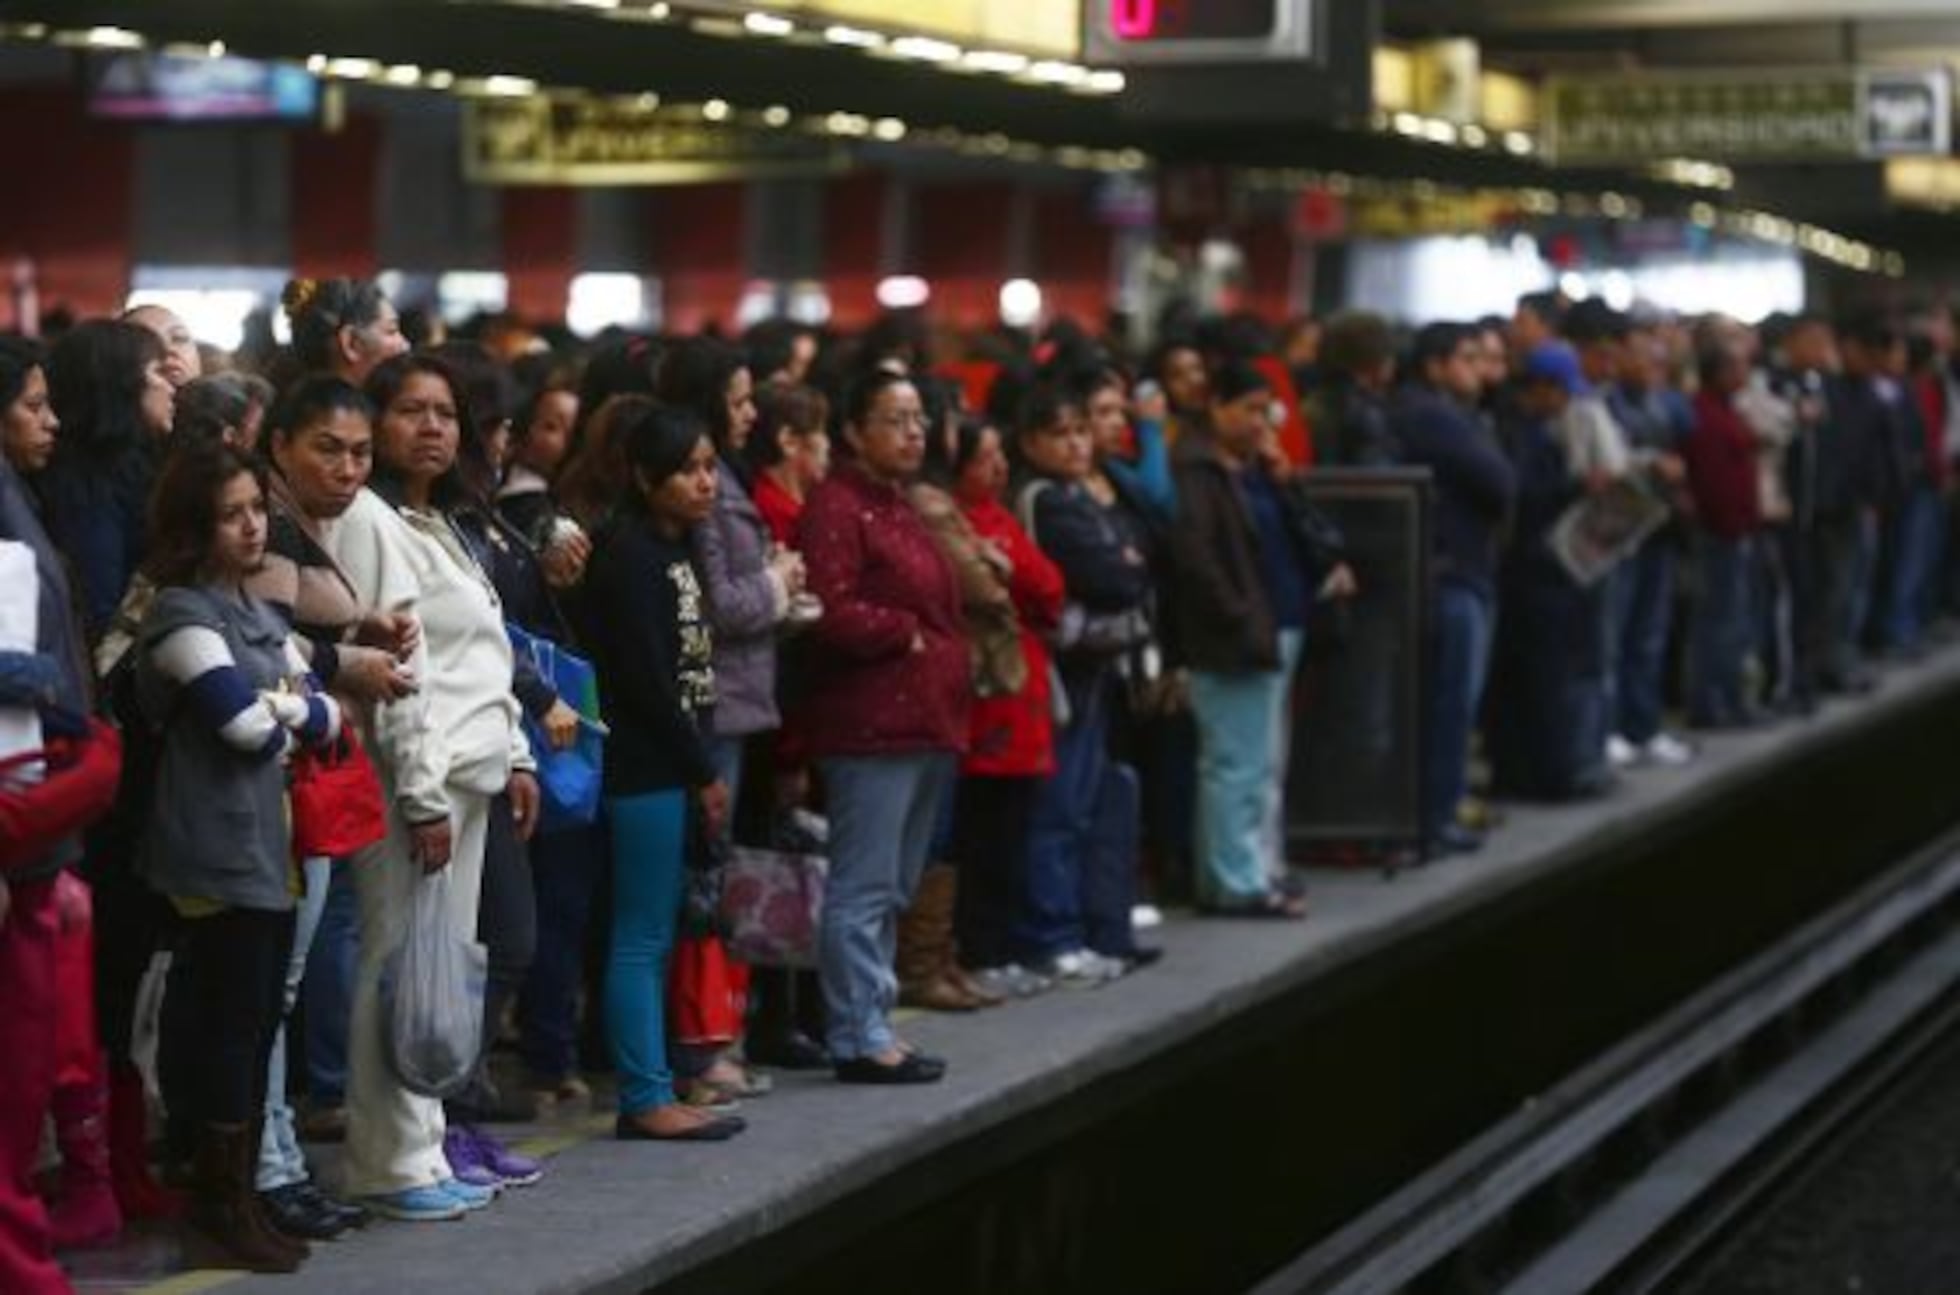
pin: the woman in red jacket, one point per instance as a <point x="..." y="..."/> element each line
<point x="1721" y="455"/>
<point x="886" y="715"/>
<point x="1010" y="731"/>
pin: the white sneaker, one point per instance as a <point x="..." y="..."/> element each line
<point x="1620" y="753"/>
<point x="1669" y="750"/>
<point x="1146" y="917"/>
<point x="1083" y="969"/>
<point x="1012" y="981"/>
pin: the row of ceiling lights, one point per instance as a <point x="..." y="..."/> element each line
<point x="1760" y="226"/>
<point x="843" y="125"/>
<point x="767" y="25"/>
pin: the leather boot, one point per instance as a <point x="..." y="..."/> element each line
<point x="230" y="1230"/>
<point x="925" y="947"/>
<point x="85" y="1214"/>
<point x="139" y="1194"/>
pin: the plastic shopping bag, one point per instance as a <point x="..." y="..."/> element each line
<point x="432" y="997"/>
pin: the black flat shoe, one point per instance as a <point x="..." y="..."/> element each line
<point x="293" y="1213"/>
<point x="719" y="1129"/>
<point x="351" y="1216"/>
<point x="793" y="1051"/>
<point x="916" y="1068"/>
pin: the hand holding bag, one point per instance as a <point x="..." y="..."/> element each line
<point x="570" y="779"/>
<point x="432" y="997"/>
<point x="338" y="808"/>
<point x="771" y="904"/>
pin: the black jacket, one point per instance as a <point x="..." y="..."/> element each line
<point x="1474" y="484"/>
<point x="1225" y="617"/>
<point x="647" y="632"/>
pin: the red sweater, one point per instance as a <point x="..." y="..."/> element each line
<point x="884" y="584"/>
<point x="779" y="508"/>
<point x="1014" y="737"/>
<point x="1721" y="455"/>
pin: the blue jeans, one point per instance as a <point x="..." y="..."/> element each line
<point x="1643" y="596"/>
<point x="567" y="869"/>
<point x="329" y="988"/>
<point x="1917" y="537"/>
<point x="281" y="1162"/>
<point x="1464" y="621"/>
<point x="1292" y="642"/>
<point x="649" y="835"/>
<point x="883" y="813"/>
<point x="1720" y="640"/>
<point x="1236" y="715"/>
<point x="1082" y="841"/>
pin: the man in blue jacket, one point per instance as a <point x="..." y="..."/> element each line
<point x="1435" y="422"/>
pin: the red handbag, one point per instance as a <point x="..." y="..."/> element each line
<point x="76" y="785"/>
<point x="337" y="805"/>
<point x="707" y="992"/>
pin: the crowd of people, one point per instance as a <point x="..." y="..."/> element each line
<point x="1018" y="667"/>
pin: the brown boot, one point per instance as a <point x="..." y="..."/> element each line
<point x="229" y="1229"/>
<point x="925" y="947"/>
<point x="972" y="988"/>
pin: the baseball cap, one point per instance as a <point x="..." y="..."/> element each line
<point x="1558" y="363"/>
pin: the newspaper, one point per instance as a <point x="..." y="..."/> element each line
<point x="1602" y="530"/>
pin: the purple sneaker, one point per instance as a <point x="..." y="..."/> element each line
<point x="459" y="1147"/>
<point x="511" y="1169"/>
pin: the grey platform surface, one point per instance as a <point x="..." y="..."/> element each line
<point x="614" y="1216"/>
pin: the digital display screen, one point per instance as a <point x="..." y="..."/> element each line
<point x="169" y="87"/>
<point x="1177" y="20"/>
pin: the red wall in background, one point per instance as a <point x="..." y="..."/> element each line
<point x="69" y="202"/>
<point x="336" y="179"/>
<point x="540" y="233"/>
<point x="1072" y="253"/>
<point x="959" y="244"/>
<point x="1268" y="248"/>
<point x="698" y="236"/>
<point x="853" y="246"/>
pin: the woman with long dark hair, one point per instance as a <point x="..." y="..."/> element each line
<point x="31" y="927"/>
<point x="750" y="581"/>
<point x="222" y="677"/>
<point x="107" y="387"/>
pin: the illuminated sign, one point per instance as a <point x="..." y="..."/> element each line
<point x="1200" y="31"/>
<point x="1835" y="114"/>
<point x="604" y="142"/>
<point x="1044" y="28"/>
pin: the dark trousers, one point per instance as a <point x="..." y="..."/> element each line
<point x="130" y="925"/>
<point x="1081" y="860"/>
<point x="221" y="1009"/>
<point x="507" y="924"/>
<point x="1460" y="656"/>
<point x="567" y="870"/>
<point x="991" y="827"/>
<point x="1643" y="593"/>
<point x="1831" y="548"/>
<point x="328" y="988"/>
<point x="27" y="1069"/>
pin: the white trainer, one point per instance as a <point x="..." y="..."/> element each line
<point x="1620" y="753"/>
<point x="1669" y="750"/>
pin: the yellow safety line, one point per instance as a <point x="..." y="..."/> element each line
<point x="551" y="1144"/>
<point x="190" y="1283"/>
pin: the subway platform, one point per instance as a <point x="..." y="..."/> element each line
<point x="1189" y="1127"/>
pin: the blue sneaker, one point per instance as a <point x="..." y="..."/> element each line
<point x="415" y="1205"/>
<point x="467" y="1195"/>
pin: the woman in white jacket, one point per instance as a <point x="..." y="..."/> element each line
<point x="444" y="755"/>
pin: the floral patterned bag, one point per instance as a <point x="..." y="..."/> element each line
<point x="771" y="903"/>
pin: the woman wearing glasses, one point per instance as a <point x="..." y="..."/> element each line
<point x="886" y="716"/>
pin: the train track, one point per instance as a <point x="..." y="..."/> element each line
<point x="1630" y="1170"/>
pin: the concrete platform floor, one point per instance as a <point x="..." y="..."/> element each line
<point x="620" y="1217"/>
